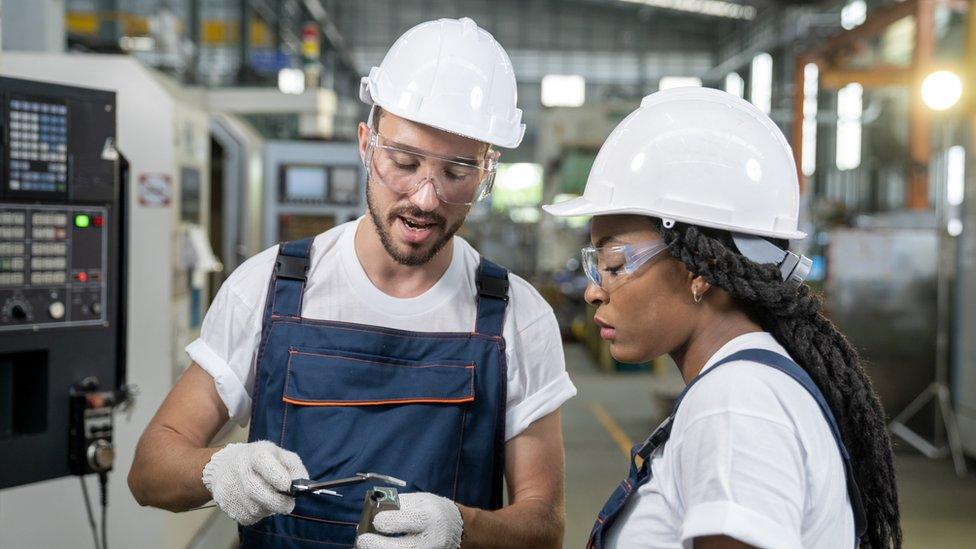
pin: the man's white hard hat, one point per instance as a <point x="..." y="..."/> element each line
<point x="451" y="75"/>
<point x="697" y="156"/>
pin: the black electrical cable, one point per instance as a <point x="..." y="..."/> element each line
<point x="88" y="507"/>
<point x="103" y="487"/>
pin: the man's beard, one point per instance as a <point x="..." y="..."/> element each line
<point x="410" y="260"/>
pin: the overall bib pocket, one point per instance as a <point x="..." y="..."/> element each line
<point x="365" y="413"/>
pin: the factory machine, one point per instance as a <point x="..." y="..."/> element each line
<point x="163" y="131"/>
<point x="311" y="187"/>
<point x="236" y="189"/>
<point x="62" y="324"/>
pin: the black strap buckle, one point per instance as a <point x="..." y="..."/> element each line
<point x="657" y="438"/>
<point x="489" y="286"/>
<point x="295" y="268"/>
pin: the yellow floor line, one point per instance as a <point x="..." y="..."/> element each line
<point x="612" y="427"/>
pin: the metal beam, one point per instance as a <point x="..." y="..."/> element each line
<point x="968" y="74"/>
<point x="875" y="77"/>
<point x="193" y="22"/>
<point x="919" y="117"/>
<point x="877" y="21"/>
<point x="790" y="25"/>
<point x="265" y="100"/>
<point x="244" y="42"/>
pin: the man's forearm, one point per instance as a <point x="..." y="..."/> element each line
<point x="526" y="523"/>
<point x="167" y="471"/>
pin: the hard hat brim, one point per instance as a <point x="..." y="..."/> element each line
<point x="580" y="206"/>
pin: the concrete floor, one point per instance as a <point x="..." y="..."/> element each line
<point x="612" y="410"/>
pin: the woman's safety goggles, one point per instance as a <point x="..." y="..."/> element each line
<point x="609" y="266"/>
<point x="403" y="170"/>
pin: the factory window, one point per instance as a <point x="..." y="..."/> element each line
<point x="853" y="14"/>
<point x="955" y="176"/>
<point x="669" y="82"/>
<point x="735" y="85"/>
<point x="849" y="106"/>
<point x="563" y="90"/>
<point x="811" y="75"/>
<point x="761" y="82"/>
<point x="517" y="187"/>
<point x="955" y="187"/>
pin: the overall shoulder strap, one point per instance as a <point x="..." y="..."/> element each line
<point x="491" y="282"/>
<point x="288" y="278"/>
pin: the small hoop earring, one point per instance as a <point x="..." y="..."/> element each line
<point x="698" y="297"/>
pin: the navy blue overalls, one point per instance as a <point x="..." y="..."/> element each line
<point x="428" y="408"/>
<point x="640" y="474"/>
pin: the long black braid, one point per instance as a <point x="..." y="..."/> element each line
<point x="793" y="316"/>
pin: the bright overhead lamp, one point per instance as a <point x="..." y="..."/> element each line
<point x="853" y="14"/>
<point x="291" y="81"/>
<point x="941" y="90"/>
<point x="761" y="82"/>
<point x="735" y="85"/>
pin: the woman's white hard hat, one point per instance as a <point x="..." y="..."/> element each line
<point x="698" y="156"/>
<point x="452" y="75"/>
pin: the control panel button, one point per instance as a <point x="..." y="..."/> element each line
<point x="56" y="310"/>
<point x="96" y="308"/>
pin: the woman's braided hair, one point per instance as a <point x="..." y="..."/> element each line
<point x="793" y="316"/>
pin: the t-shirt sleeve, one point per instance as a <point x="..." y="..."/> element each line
<point x="225" y="349"/>
<point x="740" y="473"/>
<point x="537" y="380"/>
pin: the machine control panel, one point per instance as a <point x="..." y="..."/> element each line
<point x="63" y="186"/>
<point x="53" y="266"/>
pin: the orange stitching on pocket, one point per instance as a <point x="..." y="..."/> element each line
<point x="298" y="402"/>
<point x="469" y="366"/>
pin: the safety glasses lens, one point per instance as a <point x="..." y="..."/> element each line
<point x="590" y="266"/>
<point x="404" y="172"/>
<point x="619" y="262"/>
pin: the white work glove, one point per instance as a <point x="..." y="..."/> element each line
<point x="247" y="480"/>
<point x="427" y="521"/>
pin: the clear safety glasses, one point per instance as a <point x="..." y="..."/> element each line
<point x="403" y="170"/>
<point x="609" y="266"/>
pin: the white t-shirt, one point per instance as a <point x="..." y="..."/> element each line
<point x="339" y="290"/>
<point x="750" y="457"/>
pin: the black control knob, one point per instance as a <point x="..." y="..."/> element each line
<point x="18" y="312"/>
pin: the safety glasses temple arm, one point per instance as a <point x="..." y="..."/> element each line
<point x="642" y="254"/>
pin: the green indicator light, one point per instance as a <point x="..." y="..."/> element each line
<point x="82" y="221"/>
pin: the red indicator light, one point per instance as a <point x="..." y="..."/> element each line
<point x="98" y="221"/>
<point x="82" y="276"/>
